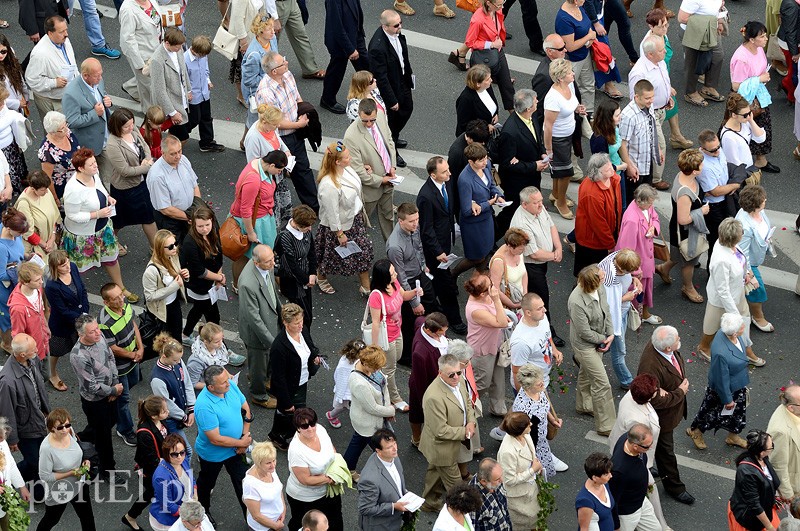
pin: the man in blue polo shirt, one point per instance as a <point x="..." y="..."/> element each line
<point x="223" y="434"/>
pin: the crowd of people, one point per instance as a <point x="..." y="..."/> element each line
<point x="98" y="173"/>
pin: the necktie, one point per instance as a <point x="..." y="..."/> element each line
<point x="268" y="282"/>
<point x="387" y="162"/>
<point x="444" y="195"/>
<point x="676" y="365"/>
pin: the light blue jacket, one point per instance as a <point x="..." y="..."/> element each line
<point x="753" y="245"/>
<point x="728" y="372"/>
<point x="252" y="73"/>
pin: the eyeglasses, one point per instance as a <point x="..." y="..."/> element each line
<point x="306" y="426"/>
<point x="368" y="120"/>
<point x="643" y="446"/>
<point x="453" y="374"/>
<point x="745" y="115"/>
<point x="171" y="246"/>
<point x="177" y="454"/>
<point x="64" y="426"/>
<point x="713" y="150"/>
<point x="359" y="345"/>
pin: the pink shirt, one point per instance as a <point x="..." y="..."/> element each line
<point x="483" y="339"/>
<point x="744" y="64"/>
<point x="393" y="304"/>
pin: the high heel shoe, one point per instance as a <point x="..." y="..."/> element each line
<point x="364" y="291"/>
<point x="459" y="61"/>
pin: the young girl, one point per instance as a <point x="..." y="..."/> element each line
<point x="155" y="121"/>
<point x="341" y="376"/>
<point x="170" y="379"/>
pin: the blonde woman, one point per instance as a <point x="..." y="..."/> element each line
<point x="262" y="490"/>
<point x="162" y="282"/>
<point x="363" y="85"/>
<point x="263" y="27"/>
<point x="341" y="219"/>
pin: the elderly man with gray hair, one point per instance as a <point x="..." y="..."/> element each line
<point x="522" y="156"/>
<point x="461" y="350"/>
<point x="192" y="518"/>
<point x="493" y="514"/>
<point x="661" y="359"/>
<point x="599" y="212"/>
<point x="652" y="67"/>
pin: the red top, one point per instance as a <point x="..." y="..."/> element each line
<point x="248" y="185"/>
<point x="155" y="140"/>
<point x="598" y="215"/>
<point x="26" y="319"/>
<point x="483" y="28"/>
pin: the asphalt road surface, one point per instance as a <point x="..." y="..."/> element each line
<point x="708" y="475"/>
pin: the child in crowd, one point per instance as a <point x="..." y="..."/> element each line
<point x="341" y="377"/>
<point x="196" y="58"/>
<point x="170" y="379"/>
<point x="155" y="121"/>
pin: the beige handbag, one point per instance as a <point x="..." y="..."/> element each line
<point x="224" y="41"/>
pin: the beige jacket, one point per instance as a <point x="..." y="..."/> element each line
<point x="155" y="290"/>
<point x="364" y="152"/>
<point x="515" y="458"/>
<point x="785" y="458"/>
<point x="123" y="161"/>
<point x="339" y="206"/>
<point x="444" y="429"/>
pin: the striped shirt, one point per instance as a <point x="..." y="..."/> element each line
<point x="282" y="95"/>
<point x="96" y="372"/>
<point x="637" y="127"/>
<point x="118" y="330"/>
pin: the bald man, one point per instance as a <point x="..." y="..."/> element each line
<point x="87" y="106"/>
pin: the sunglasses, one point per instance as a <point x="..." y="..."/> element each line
<point x="177" y="454"/>
<point x="395" y="26"/>
<point x="306" y="425"/>
<point x="64" y="426"/>
<point x="339" y="146"/>
<point x="171" y="246"/>
<point x="453" y="374"/>
<point x="714" y="150"/>
<point x="3" y="52"/>
<point x="644" y="446"/>
<point x="560" y="49"/>
<point x="745" y="115"/>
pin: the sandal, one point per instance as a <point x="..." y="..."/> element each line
<point x="613" y="95"/>
<point x="58" y="386"/>
<point x="796" y="154"/>
<point x="364" y="292"/>
<point x="404" y="8"/>
<point x="693" y="296"/>
<point x="664" y="276"/>
<point x="460" y="61"/>
<point x="758" y="362"/>
<point x="710" y="95"/>
<point x="123" y="250"/>
<point x="570" y="202"/>
<point x="698" y="103"/>
<point x="325" y="286"/>
<point x="766" y="328"/>
<point x="443" y="11"/>
<point x="566" y="215"/>
<point x="653" y="320"/>
<point x="242" y="102"/>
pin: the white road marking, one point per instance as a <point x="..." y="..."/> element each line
<point x="687" y="462"/>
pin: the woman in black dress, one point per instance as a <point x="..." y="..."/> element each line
<point x="297" y="259"/>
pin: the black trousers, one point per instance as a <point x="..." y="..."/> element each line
<point x="614" y="11"/>
<point x="399" y="118"/>
<point x="175" y="318"/>
<point x="209" y="472"/>
<point x="330" y="507"/>
<point x="716" y="213"/>
<point x="631" y="187"/>
<point x="447" y="293"/>
<point x="177" y="227"/>
<point x="291" y="291"/>
<point x="141" y="504"/>
<point x="283" y="422"/>
<point x="530" y="21"/>
<point x="537" y="283"/>
<point x="200" y="308"/>
<point x="200" y="114"/>
<point x="337" y="67"/>
<point x="408" y="328"/>
<point x="83" y="508"/>
<point x="667" y="464"/>
<point x="181" y="130"/>
<point x="302" y="177"/>
<point x="101" y="416"/>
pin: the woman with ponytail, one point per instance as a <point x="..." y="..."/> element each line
<point x="739" y="131"/>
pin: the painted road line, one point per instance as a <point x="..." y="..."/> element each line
<point x="687" y="462"/>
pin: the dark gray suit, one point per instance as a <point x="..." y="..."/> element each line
<point x="377" y="491"/>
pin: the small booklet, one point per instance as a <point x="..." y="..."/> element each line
<point x="504" y="204"/>
<point x="218" y="293"/>
<point x="412" y="501"/>
<point x="291" y="163"/>
<point x="451" y="258"/>
<point x="397" y="180"/>
<point x="346" y="250"/>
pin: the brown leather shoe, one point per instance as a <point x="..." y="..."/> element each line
<point x="661" y="185"/>
<point x="627" y="4"/>
<point x="270" y="403"/>
<point x="734" y="440"/>
<point x="697" y="438"/>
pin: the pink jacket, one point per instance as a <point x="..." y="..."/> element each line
<point x="632" y="236"/>
<point x="482" y="28"/>
<point x="26" y="320"/>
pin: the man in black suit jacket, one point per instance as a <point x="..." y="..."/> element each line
<point x="437" y="232"/>
<point x="521" y="154"/>
<point x="388" y="58"/>
<point x="477" y="131"/>
<point x="345" y="40"/>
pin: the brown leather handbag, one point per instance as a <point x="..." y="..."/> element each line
<point x="234" y="243"/>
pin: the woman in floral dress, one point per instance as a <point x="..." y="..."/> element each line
<point x="533" y="401"/>
<point x="56" y="152"/>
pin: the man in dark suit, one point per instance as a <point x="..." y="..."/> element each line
<point x="388" y="59"/>
<point x="476" y="131"/>
<point x="435" y="202"/>
<point x="661" y="359"/>
<point x="33" y="13"/>
<point x="381" y="486"/>
<point x="521" y="154"/>
<point x="345" y="40"/>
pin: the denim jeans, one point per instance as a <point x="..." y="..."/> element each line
<point x="172" y="427"/>
<point x="354" y="450"/>
<point x="91" y="22"/>
<point x="124" y="419"/>
<point x="618" y="352"/>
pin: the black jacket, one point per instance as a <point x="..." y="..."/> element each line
<point x="436" y="223"/>
<point x="195" y="261"/>
<point x="313" y="131"/>
<point x="517" y="141"/>
<point x="392" y="81"/>
<point x="285" y="365"/>
<point x="470" y="107"/>
<point x="344" y="27"/>
<point x="753" y="493"/>
<point x="788" y="31"/>
<point x="148" y="447"/>
<point x="33" y="13"/>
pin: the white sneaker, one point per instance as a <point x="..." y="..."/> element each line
<point x="560" y="465"/>
<point x="497" y="434"/>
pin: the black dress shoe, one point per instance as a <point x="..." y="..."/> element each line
<point x="460" y="329"/>
<point x="279" y="442"/>
<point x="684" y="497"/>
<point x="400" y="162"/>
<point x="557" y="341"/>
<point x="400" y="143"/>
<point x="770" y="168"/>
<point x="335" y="108"/>
<point x="540" y="52"/>
<point x="405" y="362"/>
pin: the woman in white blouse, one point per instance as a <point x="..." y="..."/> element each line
<point x="739" y="129"/>
<point x="89" y="237"/>
<point x="262" y="490"/>
<point x="477" y="101"/>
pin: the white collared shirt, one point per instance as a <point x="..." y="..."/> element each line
<point x="394" y="40"/>
<point x="295" y="232"/>
<point x="392" y="469"/>
<point x="440" y="344"/>
<point x="460" y="399"/>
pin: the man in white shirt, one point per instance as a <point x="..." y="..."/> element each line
<point x="172" y="184"/>
<point x="651" y="66"/>
<point x="381" y="485"/>
<point x="531" y="341"/>
<point x="52" y="65"/>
